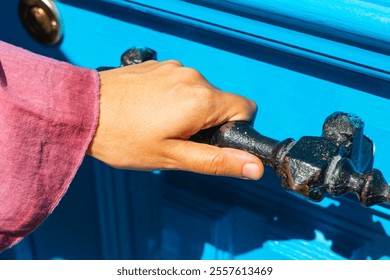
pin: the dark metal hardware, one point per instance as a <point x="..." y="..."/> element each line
<point x="338" y="162"/>
<point x="137" y="55"/>
<point x="133" y="56"/>
<point x="42" y="20"/>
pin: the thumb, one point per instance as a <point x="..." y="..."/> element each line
<point x="211" y="160"/>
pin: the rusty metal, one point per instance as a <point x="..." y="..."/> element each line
<point x="338" y="162"/>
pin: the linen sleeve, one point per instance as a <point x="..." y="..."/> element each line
<point x="48" y="116"/>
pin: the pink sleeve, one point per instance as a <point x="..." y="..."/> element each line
<point x="48" y="115"/>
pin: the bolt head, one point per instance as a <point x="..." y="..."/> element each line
<point x="305" y="166"/>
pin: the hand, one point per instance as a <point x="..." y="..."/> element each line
<point x="148" y="112"/>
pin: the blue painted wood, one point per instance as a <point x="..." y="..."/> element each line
<point x="300" y="61"/>
<point x="259" y="221"/>
<point x="356" y="22"/>
<point x="349" y="19"/>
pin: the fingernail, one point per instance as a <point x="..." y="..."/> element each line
<point x="251" y="171"/>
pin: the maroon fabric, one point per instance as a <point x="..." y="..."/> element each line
<point x="48" y="115"/>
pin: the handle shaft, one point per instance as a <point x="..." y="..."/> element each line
<point x="242" y="136"/>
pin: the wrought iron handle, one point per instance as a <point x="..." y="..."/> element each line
<point x="242" y="136"/>
<point x="133" y="56"/>
<point x="338" y="162"/>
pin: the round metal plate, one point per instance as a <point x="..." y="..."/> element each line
<point x="42" y="20"/>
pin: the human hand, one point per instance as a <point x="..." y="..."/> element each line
<point x="149" y="111"/>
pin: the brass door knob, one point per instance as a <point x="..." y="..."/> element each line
<point x="41" y="20"/>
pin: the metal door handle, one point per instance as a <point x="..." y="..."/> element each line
<point x="338" y="162"/>
<point x="133" y="56"/>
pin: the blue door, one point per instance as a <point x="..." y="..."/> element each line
<point x="299" y="60"/>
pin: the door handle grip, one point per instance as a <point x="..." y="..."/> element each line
<point x="240" y="135"/>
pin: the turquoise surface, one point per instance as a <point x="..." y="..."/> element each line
<point x="298" y="60"/>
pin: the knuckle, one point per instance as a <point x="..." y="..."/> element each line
<point x="191" y="73"/>
<point x="252" y="105"/>
<point x="168" y="163"/>
<point x="204" y="92"/>
<point x="173" y="62"/>
<point x="203" y="97"/>
<point x="216" y="165"/>
<point x="207" y="95"/>
<point x="151" y="62"/>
